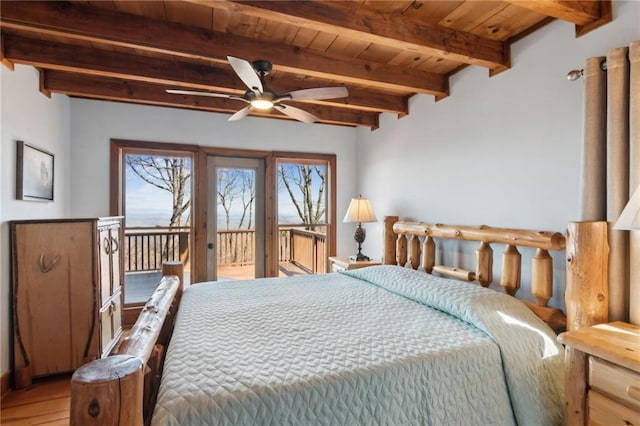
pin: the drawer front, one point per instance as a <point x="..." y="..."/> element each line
<point x="606" y="412"/>
<point x="110" y="324"/>
<point x="615" y="381"/>
<point x="337" y="268"/>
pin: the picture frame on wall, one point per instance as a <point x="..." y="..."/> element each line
<point x="34" y="173"/>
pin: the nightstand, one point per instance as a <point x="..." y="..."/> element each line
<point x="602" y="374"/>
<point x="344" y="264"/>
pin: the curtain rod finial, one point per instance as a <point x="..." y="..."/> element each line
<point x="573" y="75"/>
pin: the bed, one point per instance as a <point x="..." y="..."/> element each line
<point x="391" y="344"/>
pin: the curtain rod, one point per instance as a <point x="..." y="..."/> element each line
<point x="573" y="75"/>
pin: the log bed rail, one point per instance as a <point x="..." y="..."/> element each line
<point x="412" y="244"/>
<point x="121" y="389"/>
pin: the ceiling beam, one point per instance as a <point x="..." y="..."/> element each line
<point x="374" y="26"/>
<point x="173" y="73"/>
<point x="103" y="26"/>
<point x="114" y="89"/>
<point x="586" y="14"/>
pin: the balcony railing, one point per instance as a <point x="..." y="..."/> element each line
<point x="147" y="248"/>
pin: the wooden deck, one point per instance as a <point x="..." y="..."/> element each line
<point x="140" y="285"/>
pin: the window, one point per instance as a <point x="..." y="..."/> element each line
<point x="155" y="198"/>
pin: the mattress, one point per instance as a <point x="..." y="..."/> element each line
<point x="380" y="345"/>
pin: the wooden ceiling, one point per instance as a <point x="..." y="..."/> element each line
<point x="383" y="51"/>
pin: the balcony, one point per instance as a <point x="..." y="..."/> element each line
<point x="300" y="252"/>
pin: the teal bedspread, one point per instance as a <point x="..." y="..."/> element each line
<point x="382" y="345"/>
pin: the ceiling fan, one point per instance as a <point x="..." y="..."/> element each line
<point x="260" y="97"/>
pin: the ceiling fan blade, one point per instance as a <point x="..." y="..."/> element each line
<point x="318" y="93"/>
<point x="239" y="115"/>
<point x="246" y="73"/>
<point x="209" y="94"/>
<point x="297" y="113"/>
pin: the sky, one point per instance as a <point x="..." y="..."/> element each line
<point x="148" y="206"/>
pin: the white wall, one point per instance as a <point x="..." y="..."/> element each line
<point x="29" y="116"/>
<point x="502" y="151"/>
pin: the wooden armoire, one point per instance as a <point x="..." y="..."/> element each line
<point x="67" y="279"/>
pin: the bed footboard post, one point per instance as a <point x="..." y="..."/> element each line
<point x="587" y="293"/>
<point x="389" y="238"/>
<point x="108" y="391"/>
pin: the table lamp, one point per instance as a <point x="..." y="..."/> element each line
<point x="359" y="211"/>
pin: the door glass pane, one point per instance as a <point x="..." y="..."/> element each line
<point x="157" y="209"/>
<point x="302" y="217"/>
<point x="236" y="223"/>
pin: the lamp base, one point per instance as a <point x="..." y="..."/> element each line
<point x="359" y="257"/>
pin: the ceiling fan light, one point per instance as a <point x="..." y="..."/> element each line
<point x="262" y="104"/>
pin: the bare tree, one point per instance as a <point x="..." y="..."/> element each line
<point x="170" y="174"/>
<point x="309" y="206"/>
<point x="234" y="184"/>
<point x="248" y="196"/>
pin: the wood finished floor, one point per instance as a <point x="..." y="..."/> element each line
<point x="45" y="402"/>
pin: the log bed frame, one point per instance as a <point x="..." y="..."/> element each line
<point x="122" y="388"/>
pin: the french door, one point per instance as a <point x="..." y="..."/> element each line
<point x="235" y="218"/>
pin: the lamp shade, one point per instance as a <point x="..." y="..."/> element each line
<point x="630" y="216"/>
<point x="360" y="211"/>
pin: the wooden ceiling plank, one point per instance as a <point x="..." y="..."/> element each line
<point x="470" y="14"/>
<point x="304" y="38"/>
<point x="579" y="12"/>
<point x="186" y="75"/>
<point x="322" y="41"/>
<point x="132" y="91"/>
<point x="431" y="11"/>
<point x="380" y="53"/>
<point x="508" y="23"/>
<point x="221" y="20"/>
<point x="103" y="26"/>
<point x="376" y="27"/>
<point x="188" y="13"/>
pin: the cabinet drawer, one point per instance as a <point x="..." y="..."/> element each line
<point x="110" y="324"/>
<point x="606" y="412"/>
<point x="615" y="381"/>
<point x="337" y="268"/>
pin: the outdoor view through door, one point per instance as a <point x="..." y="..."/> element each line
<point x="157" y="210"/>
<point x="302" y="216"/>
<point x="258" y="213"/>
<point x="236" y="245"/>
<point x="235" y="218"/>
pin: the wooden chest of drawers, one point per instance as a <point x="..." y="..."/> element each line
<point x="603" y="375"/>
<point x="66" y="294"/>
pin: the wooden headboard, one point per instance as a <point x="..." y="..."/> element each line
<point x="413" y="244"/>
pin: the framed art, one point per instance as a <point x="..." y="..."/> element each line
<point x="34" y="173"/>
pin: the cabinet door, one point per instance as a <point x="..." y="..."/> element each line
<point x="54" y="295"/>
<point x="116" y="277"/>
<point x="104" y="241"/>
